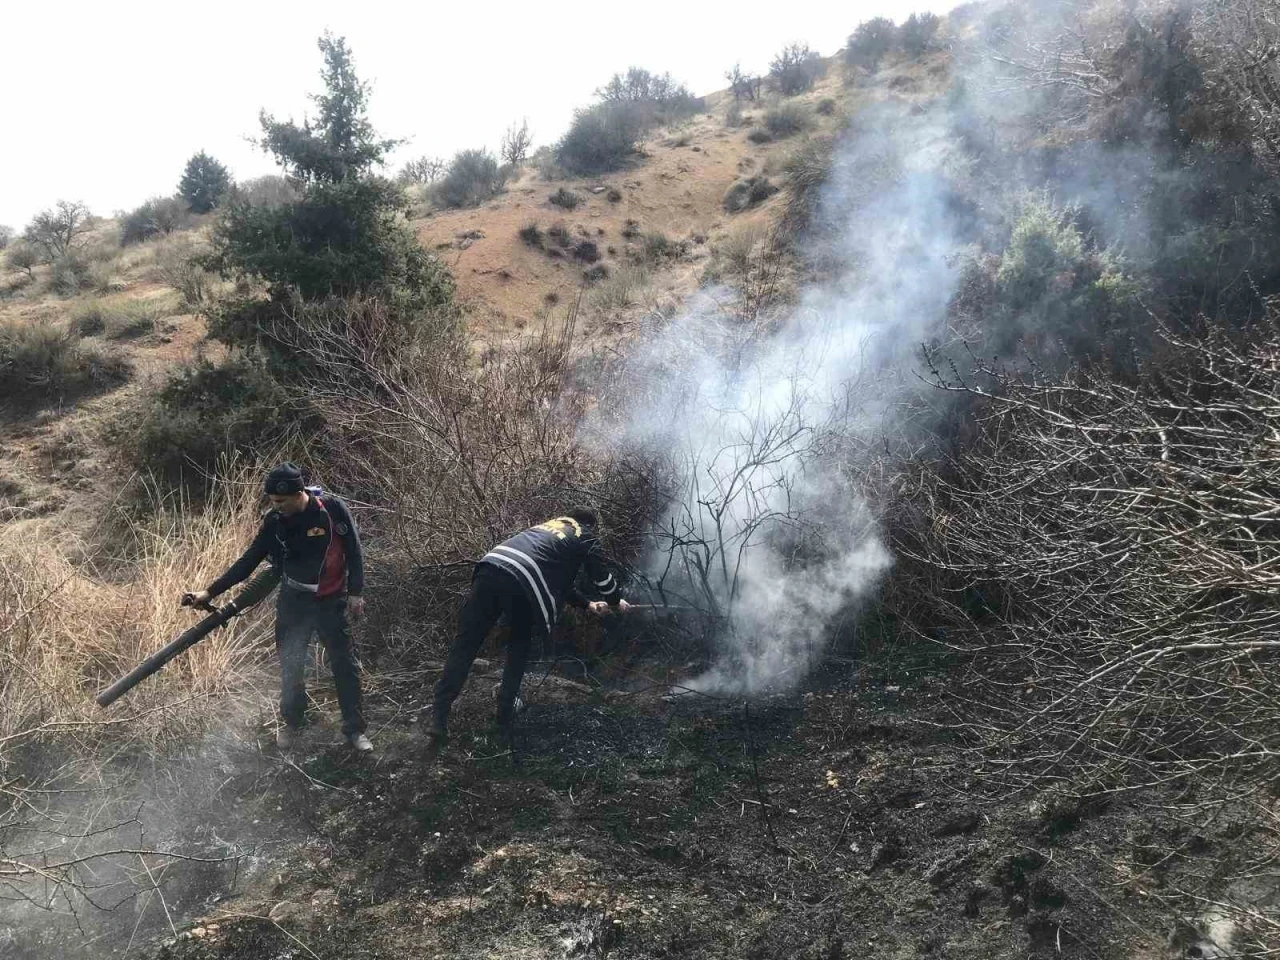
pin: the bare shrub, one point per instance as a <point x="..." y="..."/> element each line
<point x="516" y="142"/>
<point x="179" y="264"/>
<point x="1109" y="545"/>
<point x="483" y="445"/>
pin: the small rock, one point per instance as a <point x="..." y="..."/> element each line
<point x="599" y="189"/>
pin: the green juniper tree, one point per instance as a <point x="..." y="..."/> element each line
<point x="344" y="236"/>
<point x="204" y="183"/>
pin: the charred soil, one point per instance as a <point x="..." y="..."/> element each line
<point x="836" y="821"/>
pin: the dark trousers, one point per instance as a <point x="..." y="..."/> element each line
<point x="299" y="615"/>
<point x="494" y="593"/>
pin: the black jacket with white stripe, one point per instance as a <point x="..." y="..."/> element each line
<point x="545" y="560"/>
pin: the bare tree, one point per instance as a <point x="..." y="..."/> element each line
<point x="516" y="143"/>
<point x="1239" y="44"/>
<point x="59" y="230"/>
<point x="743" y="85"/>
<point x="424" y="170"/>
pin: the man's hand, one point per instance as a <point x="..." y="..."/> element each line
<point x="198" y="599"/>
<point x="601" y="609"/>
<point x="355" y="607"/>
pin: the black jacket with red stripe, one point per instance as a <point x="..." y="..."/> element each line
<point x="546" y="559"/>
<point x="316" y="550"/>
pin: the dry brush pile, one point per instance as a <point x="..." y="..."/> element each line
<point x="1116" y="543"/>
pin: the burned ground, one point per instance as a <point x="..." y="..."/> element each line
<point x="836" y="821"/>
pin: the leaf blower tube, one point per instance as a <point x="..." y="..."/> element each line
<point x="255" y="591"/>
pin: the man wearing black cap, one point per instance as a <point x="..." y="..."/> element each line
<point x="525" y="579"/>
<point x="311" y="539"/>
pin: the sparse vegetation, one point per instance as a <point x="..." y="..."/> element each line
<point x="586" y="251"/>
<point x="787" y="119"/>
<point x="623" y="288"/>
<point x="7" y="234"/>
<point x="604" y="137"/>
<point x="205" y="183"/>
<point x="825" y="107"/>
<point x="532" y="236"/>
<point x="69" y="274"/>
<point x="759" y="135"/>
<point x="664" y="96"/>
<point x="613" y="195"/>
<point x="795" y="69"/>
<point x="472" y="178"/>
<point x="565" y="199"/>
<point x="657" y="248"/>
<point x="748" y="193"/>
<point x="45" y="362"/>
<point x="180" y="264"/>
<point x="121" y="318"/>
<point x="559" y="233"/>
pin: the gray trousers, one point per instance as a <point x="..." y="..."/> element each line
<point x="299" y="616"/>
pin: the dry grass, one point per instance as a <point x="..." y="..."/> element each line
<point x="65" y="631"/>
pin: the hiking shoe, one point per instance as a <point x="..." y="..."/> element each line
<point x="286" y="737"/>
<point x="360" y="743"/>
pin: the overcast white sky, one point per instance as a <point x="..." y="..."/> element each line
<point x="107" y="100"/>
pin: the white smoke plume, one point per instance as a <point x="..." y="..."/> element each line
<point x="769" y="529"/>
